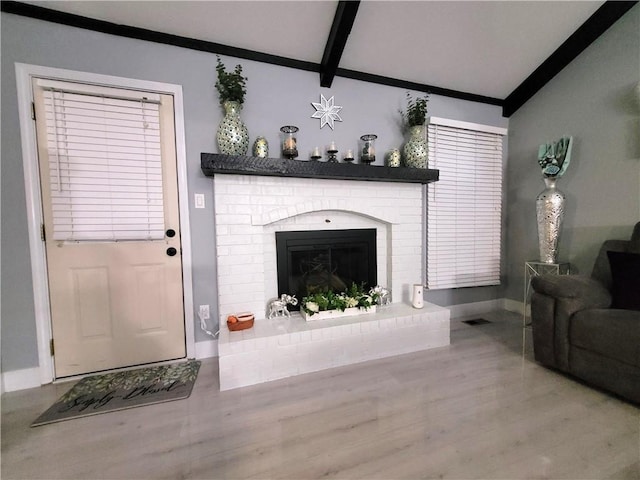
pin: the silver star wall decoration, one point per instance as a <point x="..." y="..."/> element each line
<point x="326" y="111"/>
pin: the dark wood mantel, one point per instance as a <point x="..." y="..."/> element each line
<point x="212" y="163"/>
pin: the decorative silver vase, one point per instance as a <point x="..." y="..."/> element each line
<point x="550" y="213"/>
<point x="416" y="149"/>
<point x="232" y="135"/>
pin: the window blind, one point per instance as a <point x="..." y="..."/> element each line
<point x="105" y="163"/>
<point x="464" y="208"/>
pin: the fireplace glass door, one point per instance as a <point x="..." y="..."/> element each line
<point x="325" y="260"/>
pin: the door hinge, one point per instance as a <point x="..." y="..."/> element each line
<point x="43" y="234"/>
<point x="33" y="111"/>
<point x="51" y="348"/>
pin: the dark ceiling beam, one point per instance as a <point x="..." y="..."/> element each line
<point x="340" y="30"/>
<point x="608" y="14"/>
<point x="420" y="87"/>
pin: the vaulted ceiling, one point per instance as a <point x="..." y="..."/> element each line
<point x="498" y="52"/>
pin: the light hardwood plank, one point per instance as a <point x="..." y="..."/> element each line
<point x="478" y="408"/>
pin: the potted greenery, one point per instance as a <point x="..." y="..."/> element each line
<point x="232" y="135"/>
<point x="413" y="120"/>
<point x="416" y="113"/>
<point x="231" y="86"/>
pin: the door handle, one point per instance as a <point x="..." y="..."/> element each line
<point x="171" y="251"/>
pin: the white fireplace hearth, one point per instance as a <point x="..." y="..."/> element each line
<point x="250" y="209"/>
<point x="284" y="347"/>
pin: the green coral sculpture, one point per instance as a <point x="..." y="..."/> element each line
<point x="554" y="157"/>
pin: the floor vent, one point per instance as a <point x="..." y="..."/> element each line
<point x="476" y="321"/>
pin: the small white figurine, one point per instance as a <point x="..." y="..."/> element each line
<point x="383" y="295"/>
<point x="278" y="307"/>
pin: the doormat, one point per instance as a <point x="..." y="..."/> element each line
<point x="122" y="390"/>
<point x="476" y="321"/>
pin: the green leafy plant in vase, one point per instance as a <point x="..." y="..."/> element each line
<point x="413" y="121"/>
<point x="232" y="135"/>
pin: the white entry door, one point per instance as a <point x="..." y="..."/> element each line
<point x="111" y="225"/>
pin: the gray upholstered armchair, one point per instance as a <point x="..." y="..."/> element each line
<point x="589" y="327"/>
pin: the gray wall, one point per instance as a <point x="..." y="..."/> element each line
<point x="591" y="99"/>
<point x="276" y="96"/>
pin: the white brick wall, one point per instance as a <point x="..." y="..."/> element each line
<point x="250" y="209"/>
<point x="248" y="212"/>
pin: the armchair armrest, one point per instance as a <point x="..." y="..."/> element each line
<point x="554" y="301"/>
<point x="584" y="291"/>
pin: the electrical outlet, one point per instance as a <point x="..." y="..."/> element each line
<point x="199" y="200"/>
<point x="204" y="312"/>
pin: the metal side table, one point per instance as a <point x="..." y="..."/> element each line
<point x="532" y="269"/>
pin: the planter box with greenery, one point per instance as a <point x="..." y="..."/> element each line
<point x="354" y="301"/>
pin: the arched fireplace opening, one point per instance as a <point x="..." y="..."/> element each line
<point x="325" y="260"/>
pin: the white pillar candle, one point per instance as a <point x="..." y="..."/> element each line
<point x="290" y="143"/>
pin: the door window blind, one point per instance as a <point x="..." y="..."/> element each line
<point x="105" y="163"/>
<point x="464" y="208"/>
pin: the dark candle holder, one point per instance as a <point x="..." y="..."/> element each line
<point x="367" y="148"/>
<point x="289" y="141"/>
<point x="332" y="156"/>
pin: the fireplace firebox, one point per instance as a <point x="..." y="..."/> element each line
<point x="325" y="260"/>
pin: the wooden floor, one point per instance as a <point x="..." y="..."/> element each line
<point x="478" y="408"/>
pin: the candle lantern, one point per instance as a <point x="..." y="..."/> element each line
<point x="289" y="141"/>
<point x="367" y="148"/>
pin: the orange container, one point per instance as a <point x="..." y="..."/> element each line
<point x="240" y="321"/>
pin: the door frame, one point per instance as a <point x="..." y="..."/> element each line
<point x="24" y="75"/>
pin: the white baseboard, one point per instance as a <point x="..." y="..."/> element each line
<point x="30" y="377"/>
<point x="20" y="379"/>
<point x="515" y="306"/>
<point x="207" y="349"/>
<point x="475" y="308"/>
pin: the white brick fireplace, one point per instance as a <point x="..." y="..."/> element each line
<point x="250" y="209"/>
